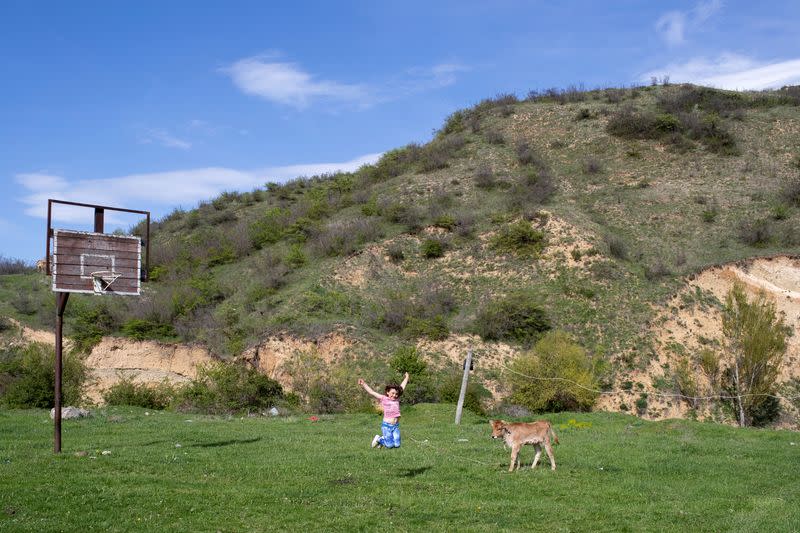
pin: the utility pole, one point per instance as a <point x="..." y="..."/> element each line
<point x="463" y="393"/>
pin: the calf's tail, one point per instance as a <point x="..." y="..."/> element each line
<point x="553" y="434"/>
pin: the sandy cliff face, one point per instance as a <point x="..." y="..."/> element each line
<point x="142" y="362"/>
<point x="692" y="321"/>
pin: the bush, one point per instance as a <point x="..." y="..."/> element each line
<point x="790" y="192"/>
<point x="419" y="308"/>
<point x="450" y="389"/>
<point x="758" y="233"/>
<point x="434" y="328"/>
<point x="493" y="136"/>
<point x="420" y="384"/>
<point x="629" y="123"/>
<point x="296" y="258"/>
<point x="484" y="178"/>
<point x="140" y="329"/>
<point x="432" y="248"/>
<point x="395" y="252"/>
<point x="27" y="375"/>
<point x="517" y="317"/>
<point x="126" y="392"/>
<point x="90" y="325"/>
<point x="227" y="387"/>
<point x="709" y="214"/>
<point x="592" y="165"/>
<point x="616" y="247"/>
<point x="519" y="238"/>
<point x="345" y="237"/>
<point x="527" y="156"/>
<point x="556" y="376"/>
<point x="14" y="266"/>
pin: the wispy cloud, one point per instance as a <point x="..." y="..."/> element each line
<point x="731" y="71"/>
<point x="289" y="84"/>
<point x="421" y="79"/>
<point x="164" y="138"/>
<point x="673" y="25"/>
<point x="160" y="192"/>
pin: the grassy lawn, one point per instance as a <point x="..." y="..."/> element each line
<point x="175" y="472"/>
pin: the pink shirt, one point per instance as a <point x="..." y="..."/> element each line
<point x="391" y="408"/>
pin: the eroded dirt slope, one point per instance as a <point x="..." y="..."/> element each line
<point x="692" y="322"/>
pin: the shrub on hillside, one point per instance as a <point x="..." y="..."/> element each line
<point x="617" y="247"/>
<point x="591" y="165"/>
<point x="531" y="189"/>
<point x="528" y="156"/>
<point x="434" y="328"/>
<point x="91" y="322"/>
<point x="126" y="392"/>
<point x="421" y="387"/>
<point x="344" y="237"/>
<point x="419" y="307"/>
<point x="485" y="178"/>
<point x="557" y="375"/>
<point x="432" y="248"/>
<point x="450" y="389"/>
<point x="790" y="192"/>
<point x="519" y="238"/>
<point x="517" y="317"/>
<point x="756" y="233"/>
<point x="630" y="123"/>
<point x="27" y="375"/>
<point x="228" y="387"/>
<point x="140" y="329"/>
<point x="14" y="266"/>
<point x="494" y="136"/>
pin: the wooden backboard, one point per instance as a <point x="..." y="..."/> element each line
<point x="79" y="254"/>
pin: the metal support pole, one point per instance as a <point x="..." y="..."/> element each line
<point x="463" y="393"/>
<point x="99" y="216"/>
<point x="61" y="304"/>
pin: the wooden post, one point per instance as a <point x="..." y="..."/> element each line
<point x="463" y="393"/>
<point x="61" y="304"/>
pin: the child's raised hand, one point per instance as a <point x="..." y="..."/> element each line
<point x="360" y="381"/>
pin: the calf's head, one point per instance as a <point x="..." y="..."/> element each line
<point x="498" y="428"/>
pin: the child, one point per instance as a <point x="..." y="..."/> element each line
<point x="390" y="403"/>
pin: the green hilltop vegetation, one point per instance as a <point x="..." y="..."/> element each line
<point x="458" y="235"/>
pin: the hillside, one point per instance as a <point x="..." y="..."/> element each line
<point x="620" y="213"/>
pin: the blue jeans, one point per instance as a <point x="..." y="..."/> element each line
<point x="391" y="435"/>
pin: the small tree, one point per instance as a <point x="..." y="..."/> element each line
<point x="756" y="338"/>
<point x="557" y="375"/>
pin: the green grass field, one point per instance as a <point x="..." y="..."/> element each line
<point x="174" y="472"/>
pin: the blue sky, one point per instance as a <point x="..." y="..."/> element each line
<point x="153" y="105"/>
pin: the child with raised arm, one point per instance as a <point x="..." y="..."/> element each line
<point x="390" y="403"/>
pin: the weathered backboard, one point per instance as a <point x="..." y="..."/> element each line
<point x="83" y="260"/>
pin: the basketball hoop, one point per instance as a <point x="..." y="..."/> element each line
<point x="102" y="279"/>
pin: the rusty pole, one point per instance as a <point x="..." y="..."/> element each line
<point x="61" y="304"/>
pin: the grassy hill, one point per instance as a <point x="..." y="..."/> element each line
<point x="592" y="205"/>
<point x="126" y="469"/>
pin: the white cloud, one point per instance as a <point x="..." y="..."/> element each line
<point x="730" y="71"/>
<point x="286" y="83"/>
<point x="161" y="191"/>
<point x="420" y="79"/>
<point x="673" y="25"/>
<point x="166" y="139"/>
